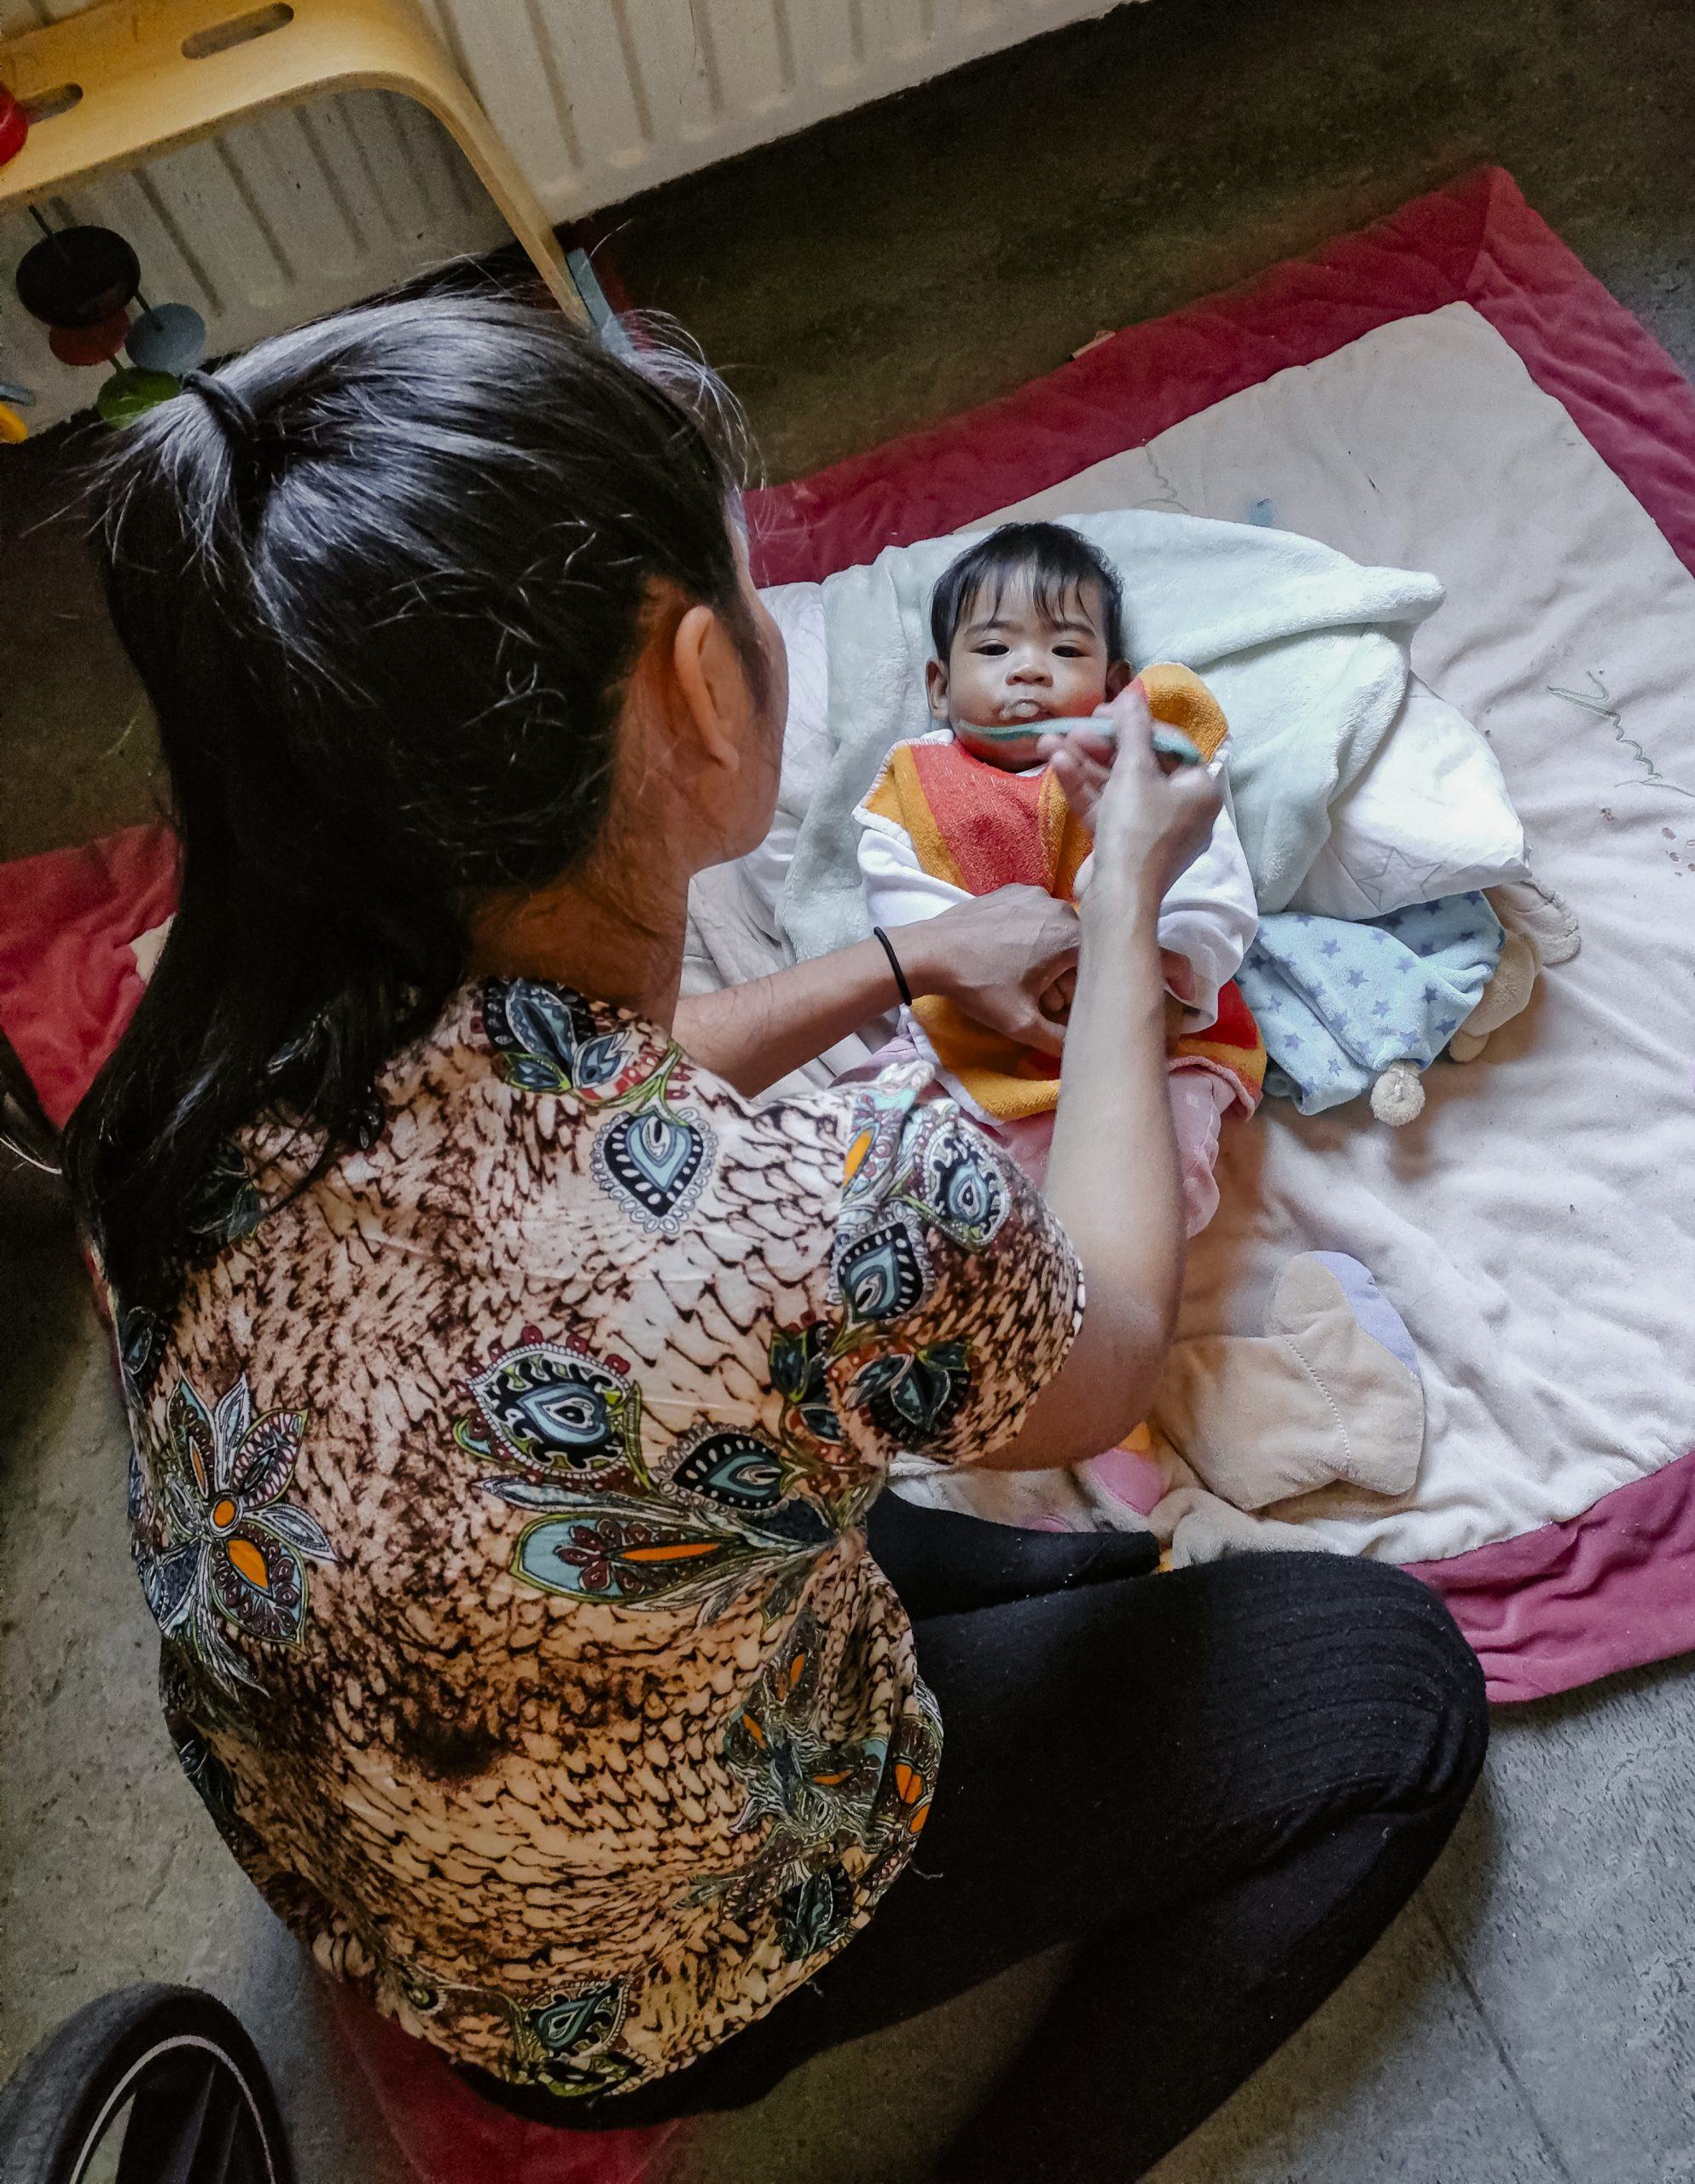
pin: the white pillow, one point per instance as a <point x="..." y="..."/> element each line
<point x="1429" y="817"/>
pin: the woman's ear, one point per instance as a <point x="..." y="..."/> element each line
<point x="712" y="684"/>
<point x="1118" y="678"/>
<point x="936" y="689"/>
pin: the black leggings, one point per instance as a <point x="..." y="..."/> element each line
<point x="1222" y="1784"/>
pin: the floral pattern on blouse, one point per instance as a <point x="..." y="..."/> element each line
<point x="499" y="1499"/>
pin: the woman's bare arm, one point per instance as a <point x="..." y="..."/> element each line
<point x="1112" y="1175"/>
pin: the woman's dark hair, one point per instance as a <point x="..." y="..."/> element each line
<point x="1055" y="563"/>
<point x="384" y="580"/>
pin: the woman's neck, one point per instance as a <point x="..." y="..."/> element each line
<point x="606" y="938"/>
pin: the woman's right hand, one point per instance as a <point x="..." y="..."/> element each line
<point x="1113" y="1180"/>
<point x="1150" y="818"/>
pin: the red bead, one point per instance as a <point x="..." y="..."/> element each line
<point x="89" y="345"/>
<point x="13" y="126"/>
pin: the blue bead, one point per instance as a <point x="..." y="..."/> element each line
<point x="169" y="338"/>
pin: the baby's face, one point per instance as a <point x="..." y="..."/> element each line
<point x="1011" y="667"/>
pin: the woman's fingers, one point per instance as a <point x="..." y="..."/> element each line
<point x="995" y="957"/>
<point x="1149" y="823"/>
<point x="1017" y="939"/>
<point x="1080" y="763"/>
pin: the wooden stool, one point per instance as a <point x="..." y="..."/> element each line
<point x="124" y="82"/>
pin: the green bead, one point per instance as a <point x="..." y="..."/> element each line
<point x="128" y="395"/>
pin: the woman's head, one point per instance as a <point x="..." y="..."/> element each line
<point x="392" y="583"/>
<point x="387" y="578"/>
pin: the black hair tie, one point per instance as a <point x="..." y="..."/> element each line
<point x="233" y="412"/>
<point x="905" y="989"/>
<point x="259" y="450"/>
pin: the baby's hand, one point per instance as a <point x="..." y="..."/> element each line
<point x="1056" y="1002"/>
<point x="1178" y="973"/>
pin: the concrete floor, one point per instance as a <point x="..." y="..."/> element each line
<point x="1532" y="2017"/>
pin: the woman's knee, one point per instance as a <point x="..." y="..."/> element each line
<point x="1414" y="1668"/>
<point x="1377" y="1660"/>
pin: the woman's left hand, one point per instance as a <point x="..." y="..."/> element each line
<point x="1006" y="959"/>
<point x="999" y="957"/>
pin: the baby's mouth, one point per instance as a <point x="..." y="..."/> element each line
<point x="1023" y="709"/>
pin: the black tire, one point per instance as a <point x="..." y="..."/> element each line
<point x="201" y="2109"/>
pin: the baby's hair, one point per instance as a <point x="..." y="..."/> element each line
<point x="1056" y="564"/>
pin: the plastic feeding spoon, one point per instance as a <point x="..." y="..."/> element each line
<point x="1168" y="742"/>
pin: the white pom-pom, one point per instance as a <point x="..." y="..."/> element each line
<point x="1398" y="1094"/>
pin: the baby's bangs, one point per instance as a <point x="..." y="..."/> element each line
<point x="1054" y="597"/>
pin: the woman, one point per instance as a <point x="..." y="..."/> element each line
<point x="511" y="1388"/>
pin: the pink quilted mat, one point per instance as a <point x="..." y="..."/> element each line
<point x="1587" y="1559"/>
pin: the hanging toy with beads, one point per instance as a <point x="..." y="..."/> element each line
<point x="80" y="283"/>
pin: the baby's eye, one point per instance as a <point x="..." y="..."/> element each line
<point x="990" y="649"/>
<point x="1069" y="652"/>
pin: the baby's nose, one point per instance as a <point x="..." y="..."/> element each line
<point x="1031" y="670"/>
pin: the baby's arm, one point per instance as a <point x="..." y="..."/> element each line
<point x="898" y="891"/>
<point x="1208" y="917"/>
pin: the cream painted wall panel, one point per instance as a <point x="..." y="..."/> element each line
<point x="654" y="89"/>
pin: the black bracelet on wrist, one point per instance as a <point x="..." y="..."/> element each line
<point x="905" y="989"/>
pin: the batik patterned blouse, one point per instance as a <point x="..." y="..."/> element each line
<point x="499" y="1500"/>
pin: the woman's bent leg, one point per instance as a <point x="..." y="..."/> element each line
<point x="1221" y="1783"/>
<point x="1336" y="1822"/>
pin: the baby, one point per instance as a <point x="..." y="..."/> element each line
<point x="1028" y="627"/>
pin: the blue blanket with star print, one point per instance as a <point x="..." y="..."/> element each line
<point x="1337" y="1002"/>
